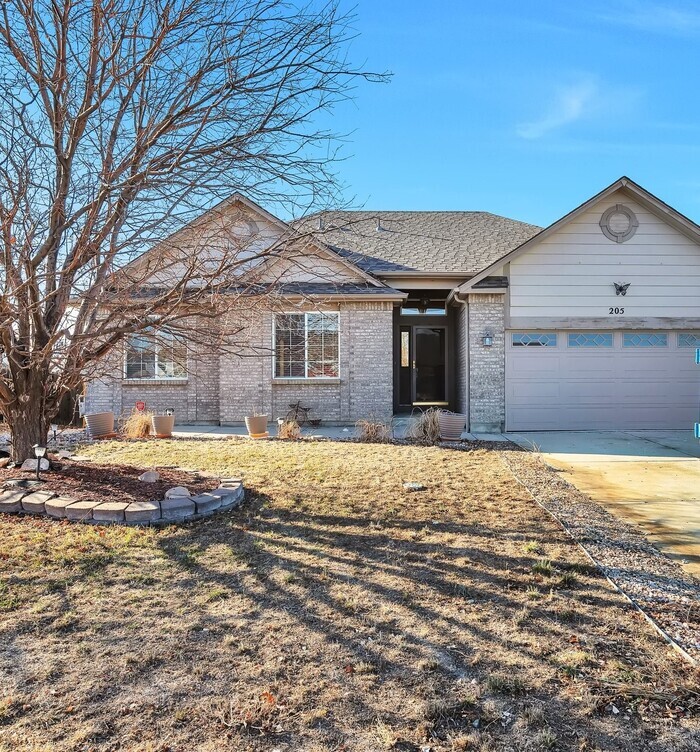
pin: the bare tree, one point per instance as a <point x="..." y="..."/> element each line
<point x="119" y="121"/>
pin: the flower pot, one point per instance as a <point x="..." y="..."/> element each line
<point x="451" y="425"/>
<point x="256" y="424"/>
<point x="100" y="424"/>
<point x="163" y="425"/>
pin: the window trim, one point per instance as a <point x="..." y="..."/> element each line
<point x="306" y="377"/>
<point x="155" y="379"/>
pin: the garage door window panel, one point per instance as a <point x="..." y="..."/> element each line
<point x="644" y="339"/>
<point x="534" y="339"/>
<point x="590" y="339"/>
<point x="689" y="339"/>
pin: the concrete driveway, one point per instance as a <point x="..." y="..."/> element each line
<point x="651" y="478"/>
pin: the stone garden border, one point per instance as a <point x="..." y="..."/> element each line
<point x="228" y="495"/>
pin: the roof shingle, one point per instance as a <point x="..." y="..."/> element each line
<point x="427" y="241"/>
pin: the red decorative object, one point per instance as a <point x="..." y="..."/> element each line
<point x="141" y="406"/>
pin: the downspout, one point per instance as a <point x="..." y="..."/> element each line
<point x="463" y="300"/>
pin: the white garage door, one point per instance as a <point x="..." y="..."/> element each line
<point x="564" y="380"/>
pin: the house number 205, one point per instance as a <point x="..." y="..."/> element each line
<point x="616" y="310"/>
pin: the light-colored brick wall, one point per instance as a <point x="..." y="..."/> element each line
<point x="225" y="388"/>
<point x="486" y="364"/>
<point x="194" y="399"/>
<point x="367" y="372"/>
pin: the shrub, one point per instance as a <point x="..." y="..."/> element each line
<point x="289" y="430"/>
<point x="137" y="425"/>
<point x="374" y="431"/>
<point x="425" y="428"/>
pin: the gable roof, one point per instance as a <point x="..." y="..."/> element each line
<point x="459" y="242"/>
<point x="287" y="231"/>
<point x="641" y="195"/>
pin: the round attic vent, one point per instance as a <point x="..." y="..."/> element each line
<point x="619" y="223"/>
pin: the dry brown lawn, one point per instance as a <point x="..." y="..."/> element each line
<point x="333" y="611"/>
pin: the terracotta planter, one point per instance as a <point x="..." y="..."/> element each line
<point x="451" y="425"/>
<point x="163" y="425"/>
<point x="256" y="424"/>
<point x="100" y="424"/>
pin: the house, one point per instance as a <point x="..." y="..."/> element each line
<point x="590" y="323"/>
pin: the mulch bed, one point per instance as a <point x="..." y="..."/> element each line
<point x="116" y="483"/>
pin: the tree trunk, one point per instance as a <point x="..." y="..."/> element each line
<point x="28" y="422"/>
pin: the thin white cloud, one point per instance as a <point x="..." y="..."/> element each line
<point x="571" y="103"/>
<point x="655" y="17"/>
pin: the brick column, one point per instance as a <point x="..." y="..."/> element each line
<point x="486" y="364"/>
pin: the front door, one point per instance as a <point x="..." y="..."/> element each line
<point x="422" y="366"/>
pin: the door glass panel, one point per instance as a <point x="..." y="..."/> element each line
<point x="405" y="371"/>
<point x="430" y="364"/>
<point x="405" y="349"/>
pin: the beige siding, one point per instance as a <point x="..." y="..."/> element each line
<point x="571" y="272"/>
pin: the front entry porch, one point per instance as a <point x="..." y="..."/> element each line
<point x="424" y="363"/>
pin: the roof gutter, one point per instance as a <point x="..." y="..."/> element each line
<point x="399" y="297"/>
<point x="417" y="273"/>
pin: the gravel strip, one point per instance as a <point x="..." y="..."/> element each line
<point x="656" y="583"/>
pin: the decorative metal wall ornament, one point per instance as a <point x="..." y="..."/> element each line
<point x="619" y="223"/>
<point x="621" y="289"/>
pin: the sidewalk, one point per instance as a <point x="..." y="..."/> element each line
<point x="399" y="426"/>
<point x="211" y="432"/>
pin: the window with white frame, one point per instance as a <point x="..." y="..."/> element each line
<point x="155" y="355"/>
<point x="306" y="345"/>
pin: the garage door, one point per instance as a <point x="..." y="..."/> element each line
<point x="564" y="380"/>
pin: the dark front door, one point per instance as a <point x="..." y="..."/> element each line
<point x="422" y="366"/>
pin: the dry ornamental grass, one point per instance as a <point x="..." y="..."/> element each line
<point x="373" y="431"/>
<point x="137" y="425"/>
<point x="334" y="611"/>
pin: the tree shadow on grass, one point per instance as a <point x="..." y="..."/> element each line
<point x="394" y="597"/>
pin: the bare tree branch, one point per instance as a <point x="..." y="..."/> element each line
<point x="120" y="120"/>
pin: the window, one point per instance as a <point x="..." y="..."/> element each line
<point x="306" y="345"/>
<point x="689" y="339"/>
<point x="413" y="311"/>
<point x="405" y="348"/>
<point x="644" y="339"/>
<point x="591" y="339"/>
<point x="534" y="339"/>
<point x="155" y="355"/>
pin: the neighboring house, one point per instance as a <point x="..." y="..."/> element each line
<point x="590" y="323"/>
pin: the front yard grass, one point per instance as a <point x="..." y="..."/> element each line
<point x="334" y="611"/>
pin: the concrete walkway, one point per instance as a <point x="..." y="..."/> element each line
<point x="650" y="478"/>
<point x="211" y="432"/>
<point x="399" y="426"/>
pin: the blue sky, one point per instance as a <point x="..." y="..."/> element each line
<point x="523" y="108"/>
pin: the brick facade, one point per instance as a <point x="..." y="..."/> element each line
<point x="225" y="388"/>
<point x="486" y="364"/>
<point x="194" y="399"/>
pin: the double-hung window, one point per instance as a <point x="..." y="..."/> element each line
<point x="306" y="345"/>
<point x="155" y="354"/>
